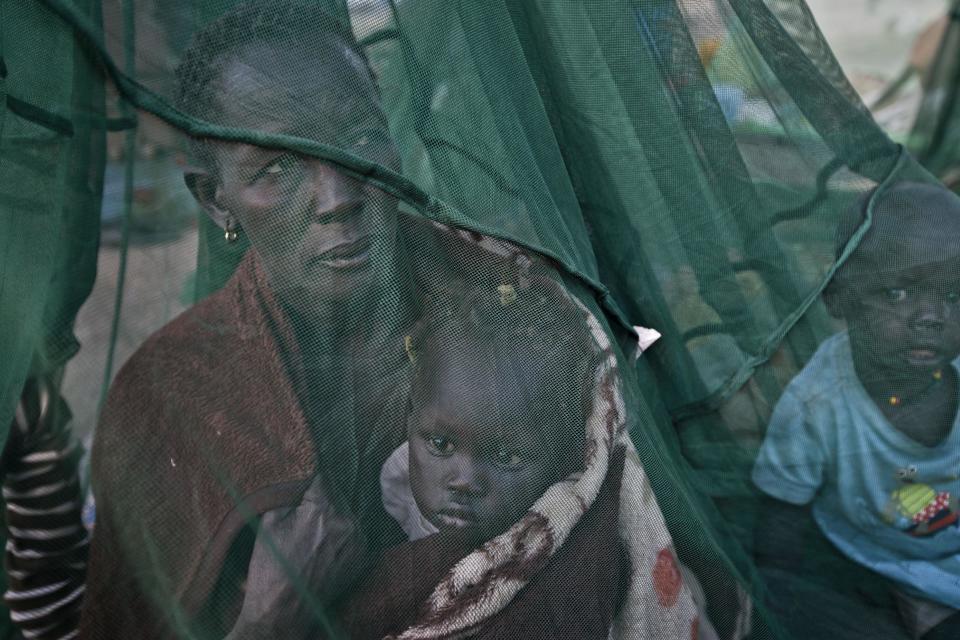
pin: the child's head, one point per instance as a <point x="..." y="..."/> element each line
<point x="900" y="290"/>
<point x="499" y="403"/>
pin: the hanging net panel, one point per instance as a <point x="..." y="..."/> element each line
<point x="419" y="319"/>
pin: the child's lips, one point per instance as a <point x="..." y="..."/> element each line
<point x="458" y="518"/>
<point x="923" y="355"/>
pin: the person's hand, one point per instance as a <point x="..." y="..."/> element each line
<point x="304" y="557"/>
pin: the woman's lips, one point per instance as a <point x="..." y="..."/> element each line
<point x="344" y="255"/>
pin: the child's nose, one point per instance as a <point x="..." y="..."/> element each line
<point x="932" y="311"/>
<point x="466" y="479"/>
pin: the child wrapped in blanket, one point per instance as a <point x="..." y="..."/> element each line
<point x="868" y="434"/>
<point x="500" y="474"/>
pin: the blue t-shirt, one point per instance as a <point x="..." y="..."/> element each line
<point x="885" y="500"/>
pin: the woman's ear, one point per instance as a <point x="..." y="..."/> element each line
<point x="408" y="412"/>
<point x="203" y="185"/>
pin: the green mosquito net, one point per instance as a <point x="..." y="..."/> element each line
<point x="422" y="319"/>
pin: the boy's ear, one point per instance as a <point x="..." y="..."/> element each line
<point x="203" y="185"/>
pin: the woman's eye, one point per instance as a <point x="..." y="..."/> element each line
<point x="509" y="458"/>
<point x="895" y="294"/>
<point x="278" y="168"/>
<point x="440" y="445"/>
<point x="370" y="144"/>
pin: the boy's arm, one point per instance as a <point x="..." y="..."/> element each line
<point x="789" y="471"/>
<point x="780" y="534"/>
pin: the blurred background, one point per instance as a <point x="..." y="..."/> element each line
<point x="879" y="42"/>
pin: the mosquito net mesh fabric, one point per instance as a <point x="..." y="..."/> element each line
<point x="353" y="302"/>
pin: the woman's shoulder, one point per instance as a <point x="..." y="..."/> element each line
<point x="202" y="342"/>
<point x="182" y="346"/>
<point x="169" y="369"/>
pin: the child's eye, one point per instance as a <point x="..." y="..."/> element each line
<point x="895" y="294"/>
<point x="440" y="445"/>
<point x="509" y="458"/>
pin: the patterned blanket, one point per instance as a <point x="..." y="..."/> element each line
<point x="481" y="587"/>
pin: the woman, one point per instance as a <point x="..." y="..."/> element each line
<point x="205" y="461"/>
<point x="236" y="467"/>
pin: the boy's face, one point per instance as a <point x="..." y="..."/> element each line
<point x="478" y="459"/>
<point x="901" y="299"/>
<point x="319" y="232"/>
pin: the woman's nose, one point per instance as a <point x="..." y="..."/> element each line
<point x="334" y="193"/>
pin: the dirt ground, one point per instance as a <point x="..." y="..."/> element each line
<point x="872" y="38"/>
<point x="153" y="295"/>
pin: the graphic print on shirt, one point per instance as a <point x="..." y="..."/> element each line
<point x="919" y="509"/>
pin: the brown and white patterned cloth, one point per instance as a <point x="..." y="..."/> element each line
<point x="658" y="603"/>
<point x="46" y="547"/>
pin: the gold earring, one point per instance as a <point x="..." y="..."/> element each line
<point x="408" y="347"/>
<point x="230" y="231"/>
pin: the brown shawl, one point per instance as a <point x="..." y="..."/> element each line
<point x="202" y="431"/>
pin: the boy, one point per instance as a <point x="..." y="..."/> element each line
<point x="868" y="432"/>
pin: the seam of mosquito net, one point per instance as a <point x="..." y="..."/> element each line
<point x="389" y="181"/>
<point x="433" y="208"/>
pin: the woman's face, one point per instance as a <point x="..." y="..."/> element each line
<point x="322" y="235"/>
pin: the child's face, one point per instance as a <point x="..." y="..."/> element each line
<point x="902" y="301"/>
<point x="477" y="458"/>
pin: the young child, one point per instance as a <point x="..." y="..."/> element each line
<point x="507" y="393"/>
<point x="500" y="393"/>
<point x="867" y="432"/>
<point x="499" y="400"/>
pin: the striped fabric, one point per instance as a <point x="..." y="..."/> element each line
<point x="46" y="549"/>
